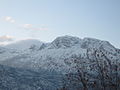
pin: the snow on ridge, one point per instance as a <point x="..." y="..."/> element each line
<point x="53" y="55"/>
<point x="24" y="44"/>
<point x="60" y="42"/>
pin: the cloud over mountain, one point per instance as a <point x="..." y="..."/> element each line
<point x="6" y="38"/>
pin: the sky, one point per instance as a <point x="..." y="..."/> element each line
<point x="48" y="19"/>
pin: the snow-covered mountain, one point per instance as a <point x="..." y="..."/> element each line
<point x="21" y="79"/>
<point x="24" y="44"/>
<point x="52" y="55"/>
<point x="66" y="54"/>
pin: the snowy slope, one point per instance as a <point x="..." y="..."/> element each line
<point x="21" y="79"/>
<point x="24" y="44"/>
<point x="53" y="55"/>
<point x="63" y="55"/>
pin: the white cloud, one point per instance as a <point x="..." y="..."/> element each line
<point x="33" y="27"/>
<point x="12" y="21"/>
<point x="9" y="19"/>
<point x="42" y="28"/>
<point x="6" y="38"/>
<point x="27" y="26"/>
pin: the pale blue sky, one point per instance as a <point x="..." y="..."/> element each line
<point x="48" y="19"/>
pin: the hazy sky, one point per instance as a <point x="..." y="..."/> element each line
<point x="48" y="19"/>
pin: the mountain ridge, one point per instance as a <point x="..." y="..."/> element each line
<point x="63" y="40"/>
<point x="68" y="55"/>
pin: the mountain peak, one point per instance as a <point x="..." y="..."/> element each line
<point x="65" y="41"/>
